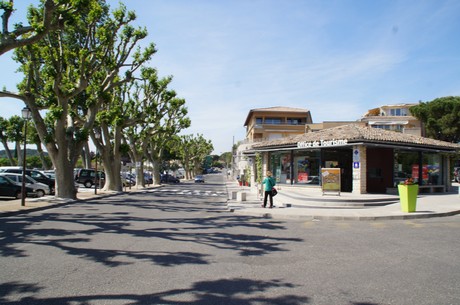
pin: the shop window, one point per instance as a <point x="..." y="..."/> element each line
<point x="431" y="171"/>
<point x="406" y="166"/>
<point x="306" y="167"/>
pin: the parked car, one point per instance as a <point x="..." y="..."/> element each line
<point x="199" y="179"/>
<point x="41" y="189"/>
<point x="128" y="179"/>
<point x="167" y="178"/>
<point x="9" y="188"/>
<point x="148" y="178"/>
<point x="87" y="177"/>
<point x="36" y="175"/>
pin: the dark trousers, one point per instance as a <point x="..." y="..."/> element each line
<point x="268" y="194"/>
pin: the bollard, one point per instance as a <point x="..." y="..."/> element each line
<point x="241" y="196"/>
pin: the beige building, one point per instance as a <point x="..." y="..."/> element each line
<point x="265" y="124"/>
<point x="275" y="122"/>
<point x="395" y="118"/>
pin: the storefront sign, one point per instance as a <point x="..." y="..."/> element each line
<point x="322" y="143"/>
<point x="331" y="180"/>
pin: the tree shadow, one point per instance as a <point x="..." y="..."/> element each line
<point x="74" y="228"/>
<point x="221" y="291"/>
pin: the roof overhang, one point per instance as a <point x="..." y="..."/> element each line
<point x="404" y="146"/>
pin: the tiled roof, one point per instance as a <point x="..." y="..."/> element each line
<point x="279" y="109"/>
<point x="356" y="133"/>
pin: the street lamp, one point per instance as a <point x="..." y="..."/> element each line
<point x="26" y="116"/>
<point x="97" y="135"/>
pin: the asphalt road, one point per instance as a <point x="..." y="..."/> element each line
<point x="179" y="245"/>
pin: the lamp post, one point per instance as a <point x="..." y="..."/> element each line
<point x="97" y="135"/>
<point x="26" y="116"/>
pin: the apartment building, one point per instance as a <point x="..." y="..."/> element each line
<point x="275" y="123"/>
<point x="263" y="124"/>
<point x="395" y="118"/>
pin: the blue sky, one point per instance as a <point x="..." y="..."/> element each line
<point x="336" y="58"/>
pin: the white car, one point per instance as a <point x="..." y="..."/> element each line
<point x="41" y="189"/>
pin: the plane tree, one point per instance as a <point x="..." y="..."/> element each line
<point x="49" y="16"/>
<point x="192" y="150"/>
<point x="69" y="73"/>
<point x="4" y="138"/>
<point x="14" y="133"/>
<point x="114" y="112"/>
<point x="161" y="115"/>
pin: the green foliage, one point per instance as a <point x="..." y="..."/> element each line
<point x="441" y="118"/>
<point x="32" y="161"/>
<point x="259" y="168"/>
<point x="6" y="162"/>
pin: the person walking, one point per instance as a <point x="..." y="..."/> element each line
<point x="269" y="183"/>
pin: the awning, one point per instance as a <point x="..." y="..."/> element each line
<point x="388" y="122"/>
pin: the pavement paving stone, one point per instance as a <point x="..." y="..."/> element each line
<point x="310" y="203"/>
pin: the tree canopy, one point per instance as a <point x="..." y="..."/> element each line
<point x="441" y="118"/>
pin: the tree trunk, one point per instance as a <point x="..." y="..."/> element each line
<point x="112" y="173"/>
<point x="156" y="172"/>
<point x="8" y="152"/>
<point x="42" y="156"/>
<point x="86" y="156"/>
<point x="65" y="188"/>
<point x="19" y="154"/>
<point x="140" y="180"/>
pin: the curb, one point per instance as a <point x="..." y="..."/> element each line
<point x="312" y="217"/>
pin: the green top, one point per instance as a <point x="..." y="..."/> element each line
<point x="269" y="183"/>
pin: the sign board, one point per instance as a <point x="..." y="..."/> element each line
<point x="330" y="178"/>
<point x="322" y="143"/>
<point x="355" y="155"/>
<point x="355" y="164"/>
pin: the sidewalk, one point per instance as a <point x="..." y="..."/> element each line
<point x="11" y="207"/>
<point x="309" y="203"/>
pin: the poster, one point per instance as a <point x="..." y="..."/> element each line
<point x="330" y="178"/>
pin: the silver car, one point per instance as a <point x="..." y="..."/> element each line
<point x="41" y="189"/>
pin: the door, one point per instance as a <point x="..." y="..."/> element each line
<point x="379" y="169"/>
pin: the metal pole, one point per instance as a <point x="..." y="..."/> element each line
<point x="95" y="176"/>
<point x="25" y="112"/>
<point x="23" y="189"/>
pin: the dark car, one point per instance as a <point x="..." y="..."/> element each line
<point x="41" y="189"/>
<point x="199" y="179"/>
<point x="8" y="188"/>
<point x="87" y="177"/>
<point x="167" y="178"/>
<point x="36" y="175"/>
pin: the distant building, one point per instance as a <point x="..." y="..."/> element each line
<point x="330" y="124"/>
<point x="275" y="122"/>
<point x="270" y="123"/>
<point x="395" y="118"/>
